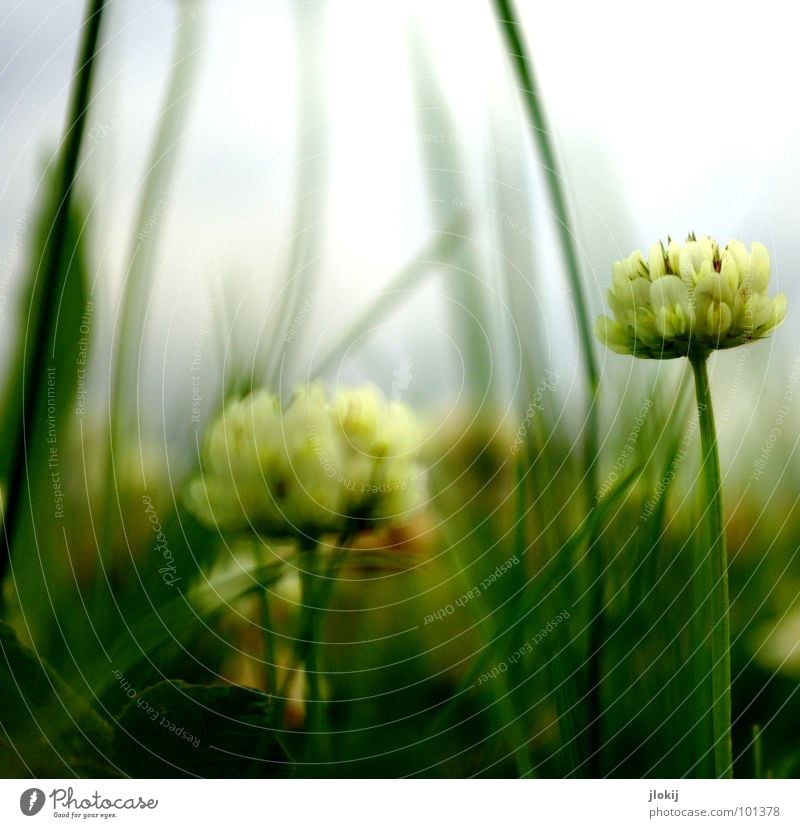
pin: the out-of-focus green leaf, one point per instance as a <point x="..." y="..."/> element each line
<point x="38" y="527"/>
<point x="46" y="729"/>
<point x="176" y="729"/>
<point x="177" y="621"/>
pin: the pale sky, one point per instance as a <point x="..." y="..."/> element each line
<point x="668" y="118"/>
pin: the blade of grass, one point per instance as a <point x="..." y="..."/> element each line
<point x="511" y="193"/>
<point x="311" y="162"/>
<point x="45" y="518"/>
<point x="540" y="134"/>
<point x="179" y="616"/>
<point x="679" y="694"/>
<point x="503" y="697"/>
<point x="519" y="609"/>
<point x="470" y="305"/>
<point x="160" y="173"/>
<point x="566" y="703"/>
<point x="758" y="753"/>
<point x="49" y="285"/>
<point x="440" y="249"/>
<point x="656" y="526"/>
<point x="156" y="192"/>
<point x="641" y="601"/>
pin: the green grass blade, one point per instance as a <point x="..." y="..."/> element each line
<point x="470" y="308"/>
<point x="520" y="609"/>
<point x="567" y="756"/>
<point x="156" y="193"/>
<point x="758" y="753"/>
<point x="540" y="134"/>
<point x="50" y="293"/>
<point x="308" y="225"/>
<point x="177" y="620"/>
<point x="440" y="250"/>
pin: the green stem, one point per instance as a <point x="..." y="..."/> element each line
<point x="316" y="587"/>
<point x="508" y="21"/>
<point x="267" y="633"/>
<point x="758" y="753"/>
<point x="308" y="556"/>
<point x="716" y="574"/>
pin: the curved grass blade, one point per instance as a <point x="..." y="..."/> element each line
<point x="51" y="288"/>
<point x="540" y="135"/>
<point x="185" y="614"/>
<point x="440" y="249"/>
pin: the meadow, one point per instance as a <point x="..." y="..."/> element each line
<point x="317" y="558"/>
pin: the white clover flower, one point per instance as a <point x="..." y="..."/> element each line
<point x="690" y="299"/>
<point x="319" y="466"/>
<point x="381" y="440"/>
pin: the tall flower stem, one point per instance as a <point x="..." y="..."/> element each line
<point x="715" y="574"/>
<point x="308" y="629"/>
<point x="316" y="586"/>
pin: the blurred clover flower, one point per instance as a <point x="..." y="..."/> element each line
<point x="320" y="465"/>
<point x="690" y="299"/>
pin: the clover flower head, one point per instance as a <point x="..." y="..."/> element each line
<point x="318" y="466"/>
<point x="690" y="299"/>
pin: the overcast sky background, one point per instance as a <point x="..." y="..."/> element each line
<point x="668" y="118"/>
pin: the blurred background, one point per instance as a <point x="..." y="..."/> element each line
<point x="284" y="190"/>
<point x="668" y="119"/>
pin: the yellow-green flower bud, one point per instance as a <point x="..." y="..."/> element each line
<point x="690" y="299"/>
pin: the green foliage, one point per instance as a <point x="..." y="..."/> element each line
<point x="176" y="729"/>
<point x="40" y="405"/>
<point x="532" y="622"/>
<point x="46" y="728"/>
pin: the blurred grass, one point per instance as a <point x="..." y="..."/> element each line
<point x="401" y="693"/>
<point x="48" y="348"/>
<point x="508" y="23"/>
<point x="311" y="163"/>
